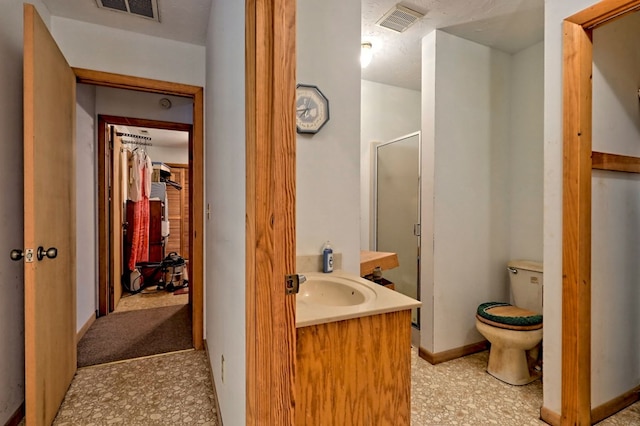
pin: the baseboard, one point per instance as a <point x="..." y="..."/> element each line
<point x="550" y="417"/>
<point x="85" y="327"/>
<point x="611" y="407"/>
<point x="213" y="383"/>
<point x="17" y="417"/>
<point x="599" y="413"/>
<point x="437" y="358"/>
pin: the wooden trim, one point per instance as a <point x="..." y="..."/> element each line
<point x="600" y="412"/>
<point x="104" y="166"/>
<point x="619" y="403"/>
<point x="576" y="212"/>
<point x="80" y="334"/>
<point x="196" y="179"/>
<point x="251" y="360"/>
<point x="615" y="162"/>
<point x="444" y="356"/>
<point x="576" y="226"/>
<point x="550" y="417"/>
<point x="120" y="81"/>
<point x="143" y="122"/>
<point x="270" y="210"/>
<point x="16" y="417"/>
<point x="216" y="401"/>
<point x="603" y="12"/>
<point x="196" y="218"/>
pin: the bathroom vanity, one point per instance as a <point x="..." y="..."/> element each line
<point x="353" y="345"/>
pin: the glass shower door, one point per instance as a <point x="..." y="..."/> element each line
<point x="397" y="212"/>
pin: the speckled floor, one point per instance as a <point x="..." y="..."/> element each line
<point x="167" y="389"/>
<point x="461" y="392"/>
<point x="176" y="389"/>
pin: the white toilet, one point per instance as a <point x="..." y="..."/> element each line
<point x="515" y="330"/>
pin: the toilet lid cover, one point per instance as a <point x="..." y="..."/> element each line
<point x="504" y="313"/>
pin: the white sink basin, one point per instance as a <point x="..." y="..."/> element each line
<point x="334" y="291"/>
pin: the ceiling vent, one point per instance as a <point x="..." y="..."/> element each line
<point x="143" y="8"/>
<point x="399" y="18"/>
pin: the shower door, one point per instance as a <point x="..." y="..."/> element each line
<point x="397" y="212"/>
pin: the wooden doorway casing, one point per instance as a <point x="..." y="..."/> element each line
<point x="270" y="59"/>
<point x="196" y="177"/>
<point x="106" y="282"/>
<point x="576" y="208"/>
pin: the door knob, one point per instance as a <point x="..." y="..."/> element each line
<point x="16" y="254"/>
<point x="51" y="253"/>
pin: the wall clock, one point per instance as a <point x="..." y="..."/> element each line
<point x="312" y="109"/>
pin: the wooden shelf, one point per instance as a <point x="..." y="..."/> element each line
<point x="369" y="260"/>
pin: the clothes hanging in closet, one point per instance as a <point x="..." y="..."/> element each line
<point x="139" y="192"/>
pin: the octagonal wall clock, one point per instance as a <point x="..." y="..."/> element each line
<point x="312" y="109"/>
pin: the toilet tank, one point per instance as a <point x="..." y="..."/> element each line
<point x="525" y="278"/>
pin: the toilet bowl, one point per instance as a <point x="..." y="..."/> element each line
<point x="515" y="330"/>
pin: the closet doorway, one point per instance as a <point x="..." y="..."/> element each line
<point x="169" y="231"/>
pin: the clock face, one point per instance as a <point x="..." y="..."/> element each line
<point x="312" y="109"/>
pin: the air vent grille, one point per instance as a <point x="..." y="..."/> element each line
<point x="142" y="8"/>
<point x="399" y="18"/>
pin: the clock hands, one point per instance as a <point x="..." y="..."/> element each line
<point x="304" y="111"/>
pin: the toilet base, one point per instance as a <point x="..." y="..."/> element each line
<point x="513" y="354"/>
<point x="512" y="366"/>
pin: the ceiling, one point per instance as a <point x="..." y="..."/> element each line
<point x="508" y="25"/>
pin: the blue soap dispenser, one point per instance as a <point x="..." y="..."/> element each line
<point x="327" y="258"/>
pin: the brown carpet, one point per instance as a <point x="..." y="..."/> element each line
<point x="132" y="334"/>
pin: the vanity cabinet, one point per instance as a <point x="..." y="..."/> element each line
<point x="355" y="372"/>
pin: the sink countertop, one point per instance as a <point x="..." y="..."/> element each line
<point x="385" y="301"/>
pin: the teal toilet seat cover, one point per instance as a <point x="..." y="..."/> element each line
<point x="529" y="320"/>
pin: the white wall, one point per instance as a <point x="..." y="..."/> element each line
<point x="168" y="154"/>
<point x="225" y="193"/>
<point x="11" y="222"/>
<point x="130" y="103"/>
<point x="526" y="154"/>
<point x="615" y="208"/>
<point x="388" y="112"/>
<point x="616" y="212"/>
<point x="102" y="48"/>
<point x="86" y="198"/>
<point x="465" y="94"/>
<point x="328" y="163"/>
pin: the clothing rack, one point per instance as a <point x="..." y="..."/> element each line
<point x="131" y="135"/>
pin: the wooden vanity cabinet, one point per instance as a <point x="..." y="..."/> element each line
<point x="355" y="372"/>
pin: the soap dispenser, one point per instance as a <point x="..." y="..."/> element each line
<point x="327" y="258"/>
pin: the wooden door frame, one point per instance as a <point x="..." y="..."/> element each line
<point x="270" y="35"/>
<point x="105" y="282"/>
<point x="576" y="209"/>
<point x="196" y="176"/>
